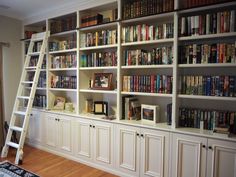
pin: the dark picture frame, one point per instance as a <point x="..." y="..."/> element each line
<point x="100" y="107"/>
<point x="150" y="113"/>
<point x="102" y="81"/>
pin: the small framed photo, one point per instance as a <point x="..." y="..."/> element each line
<point x="150" y="113"/>
<point x="100" y="107"/>
<point x="59" y="103"/>
<point x="102" y="81"/>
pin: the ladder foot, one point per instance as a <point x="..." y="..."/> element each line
<point x="4" y="151"/>
<point x="19" y="157"/>
<point x="20" y="162"/>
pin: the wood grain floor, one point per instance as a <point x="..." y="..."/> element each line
<point x="49" y="165"/>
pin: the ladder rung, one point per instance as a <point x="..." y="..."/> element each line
<point x="34" y="53"/>
<point x="27" y="82"/>
<point x="30" y="67"/>
<point x="13" y="145"/>
<point x="23" y="97"/>
<point x="37" y="39"/>
<point x="19" y="129"/>
<point x="20" y="113"/>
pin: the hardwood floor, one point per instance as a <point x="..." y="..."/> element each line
<point x="49" y="165"/>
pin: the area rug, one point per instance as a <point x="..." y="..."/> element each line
<point x="8" y="169"/>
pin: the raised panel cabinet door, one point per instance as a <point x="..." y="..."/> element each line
<point x="83" y="138"/>
<point x="129" y="149"/>
<point x="51" y="130"/>
<point x="103" y="142"/>
<point x="64" y="134"/>
<point x="35" y="127"/>
<point x="188" y="156"/>
<point x="154" y="153"/>
<point x="221" y="158"/>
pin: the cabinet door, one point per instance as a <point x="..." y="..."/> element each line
<point x="221" y="158"/>
<point x="103" y="139"/>
<point x="83" y="138"/>
<point x="154" y="153"/>
<point x="128" y="150"/>
<point x="64" y="134"/>
<point x="188" y="156"/>
<point x="35" y="125"/>
<point x="51" y="130"/>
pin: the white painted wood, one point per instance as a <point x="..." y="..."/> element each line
<point x="147" y="94"/>
<point x="64" y="134"/>
<point x="188" y="156"/>
<point x="63" y="51"/>
<point x="83" y="138"/>
<point x="146" y="66"/>
<point x="98" y="47"/>
<point x="51" y="130"/>
<point x="159" y="41"/>
<point x="35" y="127"/>
<point x="154" y="153"/>
<point x="129" y="149"/>
<point x="221" y="158"/>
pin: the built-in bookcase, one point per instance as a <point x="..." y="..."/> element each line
<point x="173" y="43"/>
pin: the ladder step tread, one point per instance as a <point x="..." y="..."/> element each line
<point x="23" y="97"/>
<point x="20" y="112"/>
<point x="13" y="145"/>
<point x="30" y="67"/>
<point x="19" y="129"/>
<point x="27" y="82"/>
<point x="34" y="53"/>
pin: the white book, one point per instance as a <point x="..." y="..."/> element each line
<point x="196" y="23"/>
<point x="208" y="24"/>
<point x="183" y="26"/>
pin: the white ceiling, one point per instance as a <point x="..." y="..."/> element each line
<point x="22" y="9"/>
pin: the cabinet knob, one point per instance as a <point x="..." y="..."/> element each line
<point x="142" y="135"/>
<point x="204" y="146"/>
<point x="90" y="126"/>
<point x="210" y="148"/>
<point x="93" y="126"/>
<point x="137" y="134"/>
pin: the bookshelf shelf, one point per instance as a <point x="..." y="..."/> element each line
<point x="206" y="7"/>
<point x="98" y="91"/>
<point x="63" y="51"/>
<point x="63" y="69"/>
<point x="63" y="89"/>
<point x="147" y="66"/>
<point x="210" y="65"/>
<point x="149" y="17"/>
<point x="208" y="36"/>
<point x="98" y="47"/>
<point x="159" y="41"/>
<point x="147" y="94"/>
<point x="108" y="25"/>
<point x="98" y="68"/>
<point x="64" y="33"/>
<point x="207" y="97"/>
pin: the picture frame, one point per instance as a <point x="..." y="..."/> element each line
<point x="102" y="81"/>
<point x="59" y="103"/>
<point x="150" y="113"/>
<point x="100" y="107"/>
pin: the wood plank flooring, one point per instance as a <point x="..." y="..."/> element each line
<point x="49" y="165"/>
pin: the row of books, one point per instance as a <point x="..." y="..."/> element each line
<point x="148" y="83"/>
<point x="97" y="59"/>
<point x="63" y="45"/>
<point x="207" y="53"/>
<point x="214" y="23"/>
<point x="209" y="85"/>
<point x="207" y="119"/>
<point x="64" y="24"/>
<point x="104" y="37"/>
<point x="131" y="108"/>
<point x="193" y="3"/>
<point x="37" y="47"/>
<point x="139" y="8"/>
<point x="64" y="61"/>
<point x="40" y="101"/>
<point x="146" y="32"/>
<point x="67" y="82"/>
<point x="34" y="61"/>
<point x="161" y="55"/>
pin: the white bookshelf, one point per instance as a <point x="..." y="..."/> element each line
<point x="62" y="51"/>
<point x="147" y="66"/>
<point x="109" y="25"/>
<point x="98" y="91"/>
<point x="98" y="68"/>
<point x="98" y="47"/>
<point x="147" y="94"/>
<point x="203" y="97"/>
<point x="64" y="33"/>
<point x="63" y="89"/>
<point x="208" y="65"/>
<point x="63" y="69"/>
<point x="159" y="41"/>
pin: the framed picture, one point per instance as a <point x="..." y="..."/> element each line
<point x="59" y="103"/>
<point x="150" y="113"/>
<point x="102" y="81"/>
<point x="100" y="107"/>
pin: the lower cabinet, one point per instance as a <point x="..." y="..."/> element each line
<point x="35" y="129"/>
<point x="202" y="157"/>
<point x="94" y="141"/>
<point x="141" y="151"/>
<point x="58" y="132"/>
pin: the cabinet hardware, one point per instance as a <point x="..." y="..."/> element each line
<point x="94" y="126"/>
<point x="204" y="146"/>
<point x="210" y="147"/>
<point x="142" y="135"/>
<point x="90" y="126"/>
<point x="137" y="134"/>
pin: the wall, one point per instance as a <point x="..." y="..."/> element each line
<point x="10" y="31"/>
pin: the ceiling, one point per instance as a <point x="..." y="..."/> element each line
<point x="22" y="9"/>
